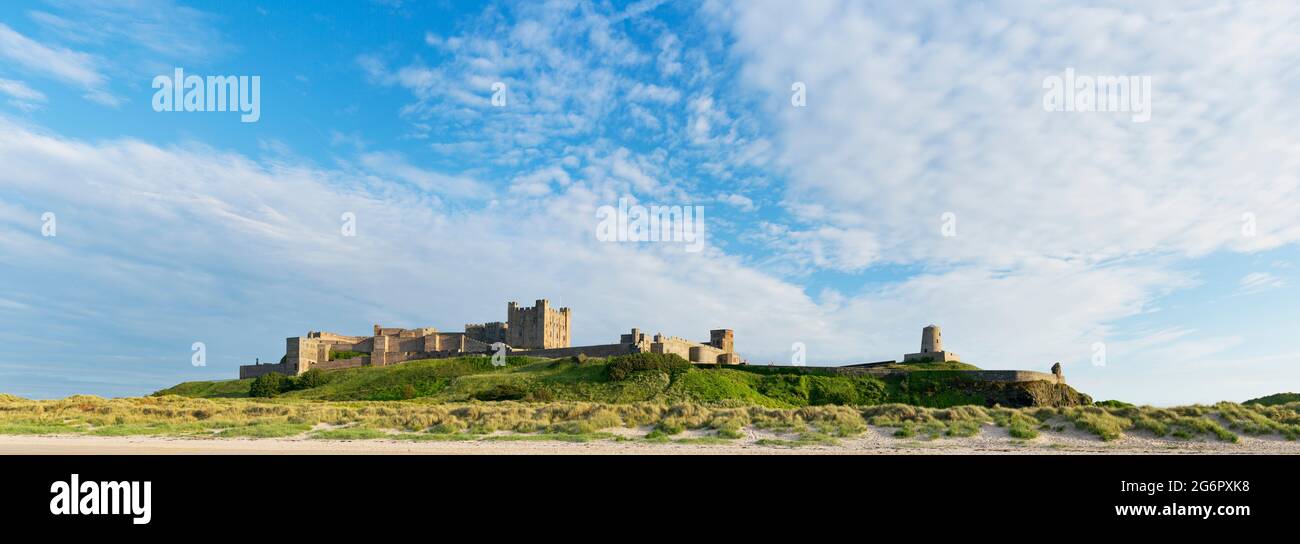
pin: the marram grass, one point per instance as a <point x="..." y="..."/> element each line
<point x="580" y="421"/>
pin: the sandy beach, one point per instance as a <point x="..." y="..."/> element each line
<point x="991" y="441"/>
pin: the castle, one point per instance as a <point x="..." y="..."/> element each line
<point x="536" y="331"/>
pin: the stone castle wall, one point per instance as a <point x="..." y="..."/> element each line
<point x="694" y="352"/>
<point x="253" y="371"/>
<point x="599" y="350"/>
<point x="343" y="363"/>
<point x="537" y="331"/>
<point x="488" y="333"/>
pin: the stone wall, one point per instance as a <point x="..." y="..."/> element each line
<point x="706" y="354"/>
<point x="343" y="363"/>
<point x="364" y="345"/>
<point x="694" y="352"/>
<point x="599" y="350"/>
<point x="488" y="333"/>
<point x="335" y="338"/>
<point x="253" y="371"/>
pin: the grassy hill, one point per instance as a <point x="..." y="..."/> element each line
<point x="1275" y="399"/>
<point x="929" y="365"/>
<point x="647" y="378"/>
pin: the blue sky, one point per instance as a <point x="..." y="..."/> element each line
<point x="1074" y="231"/>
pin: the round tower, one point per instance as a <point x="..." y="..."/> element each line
<point x="931" y="339"/>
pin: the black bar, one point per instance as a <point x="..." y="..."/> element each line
<point x="310" y="494"/>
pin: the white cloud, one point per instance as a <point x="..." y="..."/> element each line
<point x="705" y="117"/>
<point x="559" y="63"/>
<point x="741" y="202"/>
<point x="911" y="115"/>
<point x="1258" y="282"/>
<point x="643" y="92"/>
<point x="145" y="37"/>
<point x="59" y="63"/>
<point x="161" y="27"/>
<point x="396" y="166"/>
<point x="670" y="51"/>
<point x="20" y="91"/>
<point x="538" y="183"/>
<point x="641" y="7"/>
<point x="22" y="97"/>
<point x="839" y="249"/>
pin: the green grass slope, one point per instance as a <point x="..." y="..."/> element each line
<point x="593" y="380"/>
<point x="932" y="365"/>
<point x="224" y="389"/>
<point x="1275" y="399"/>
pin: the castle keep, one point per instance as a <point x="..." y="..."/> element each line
<point x="539" y="327"/>
<point x="537" y="331"/>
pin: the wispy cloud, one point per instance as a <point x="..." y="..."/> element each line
<point x="141" y="37"/>
<point x="394" y="165"/>
<point x="21" y="96"/>
<point x="55" y="62"/>
<point x="1258" y="282"/>
<point x="161" y="27"/>
<point x="20" y="90"/>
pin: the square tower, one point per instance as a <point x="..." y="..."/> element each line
<point x="723" y="339"/>
<point x="538" y="327"/>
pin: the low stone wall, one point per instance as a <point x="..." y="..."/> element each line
<point x="253" y="371"/>
<point x="599" y="350"/>
<point x="337" y="364"/>
<point x="1013" y="376"/>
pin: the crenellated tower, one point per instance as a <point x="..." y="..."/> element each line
<point x="537" y="327"/>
